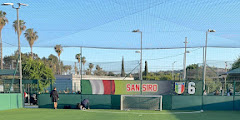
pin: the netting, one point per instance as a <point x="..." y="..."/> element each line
<point x="141" y="102"/>
<point x="9" y="86"/>
<point x="162" y="64"/>
<point x="103" y="35"/>
<point x="108" y="24"/>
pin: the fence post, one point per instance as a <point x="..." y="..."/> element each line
<point x="38" y="89"/>
<point x="51" y="85"/>
<point x="81" y="71"/>
<point x="202" y="93"/>
<point x="234" y="88"/>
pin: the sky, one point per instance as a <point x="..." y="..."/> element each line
<point x="108" y="24"/>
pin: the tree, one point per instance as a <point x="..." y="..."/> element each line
<point x="12" y="59"/>
<point x="195" y="72"/>
<point x="123" y="74"/>
<point x="52" y="62"/>
<point x="88" y="72"/>
<point x="232" y="77"/>
<point x="83" y="61"/>
<point x="67" y="68"/>
<point x="99" y="71"/>
<point x="37" y="70"/>
<point x="91" y="67"/>
<point x="3" y="22"/>
<point x="75" y="68"/>
<point x="58" y="50"/>
<point x="78" y="57"/>
<point x="22" y="26"/>
<point x="146" y="69"/>
<point x="111" y="74"/>
<point x="236" y="64"/>
<point x="31" y="36"/>
<point x="98" y="68"/>
<point x="192" y="66"/>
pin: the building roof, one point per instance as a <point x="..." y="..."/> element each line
<point x="234" y="71"/>
<point x="7" y="72"/>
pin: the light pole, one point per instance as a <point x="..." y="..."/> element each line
<point x="140" y="53"/>
<point x="205" y="58"/>
<point x="173" y="69"/>
<point x="225" y="78"/>
<point x="185" y="59"/>
<point x="19" y="47"/>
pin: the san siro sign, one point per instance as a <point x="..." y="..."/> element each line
<point x="145" y="87"/>
<point x="179" y="87"/>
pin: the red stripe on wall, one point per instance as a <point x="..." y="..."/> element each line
<point x="109" y="87"/>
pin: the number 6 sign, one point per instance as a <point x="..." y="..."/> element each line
<point x="191" y="88"/>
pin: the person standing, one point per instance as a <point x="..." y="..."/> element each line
<point x="54" y="96"/>
<point x="204" y="92"/>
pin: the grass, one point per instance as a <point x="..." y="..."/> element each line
<point x="67" y="114"/>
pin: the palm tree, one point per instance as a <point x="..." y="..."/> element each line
<point x="3" y="22"/>
<point x="98" y="68"/>
<point x="58" y="50"/>
<point x="31" y="37"/>
<point x="21" y="25"/>
<point x="91" y="67"/>
<point x="67" y="68"/>
<point x="78" y="57"/>
<point x="83" y="61"/>
<point x="75" y="68"/>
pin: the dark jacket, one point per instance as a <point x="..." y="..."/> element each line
<point x="54" y="94"/>
<point x="85" y="102"/>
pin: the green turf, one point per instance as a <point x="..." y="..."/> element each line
<point x="64" y="114"/>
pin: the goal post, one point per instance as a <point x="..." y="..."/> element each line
<point x="141" y="102"/>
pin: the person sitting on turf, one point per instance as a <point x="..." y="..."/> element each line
<point x="54" y="96"/>
<point x="84" y="104"/>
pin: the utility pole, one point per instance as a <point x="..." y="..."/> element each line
<point x="173" y="70"/>
<point x="184" y="60"/>
<point x="141" y="59"/>
<point x="205" y="58"/>
<point x="225" y="78"/>
<point x="140" y="76"/>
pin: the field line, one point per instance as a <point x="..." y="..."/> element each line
<point x="160" y="113"/>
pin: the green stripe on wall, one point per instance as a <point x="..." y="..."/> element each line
<point x="86" y="87"/>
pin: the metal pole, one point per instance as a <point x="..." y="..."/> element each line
<point x="141" y="64"/>
<point x="173" y="70"/>
<point x="225" y="79"/>
<point x="141" y="59"/>
<point x="81" y="68"/>
<point x="202" y="82"/>
<point x="234" y="88"/>
<point x="184" y="60"/>
<point x="1" y="50"/>
<point x="19" y="50"/>
<point x="205" y="58"/>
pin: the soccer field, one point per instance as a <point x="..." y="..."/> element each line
<point x="67" y="114"/>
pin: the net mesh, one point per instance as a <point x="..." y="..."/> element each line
<point x="141" y="102"/>
<point x="164" y="23"/>
<point x="9" y="86"/>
